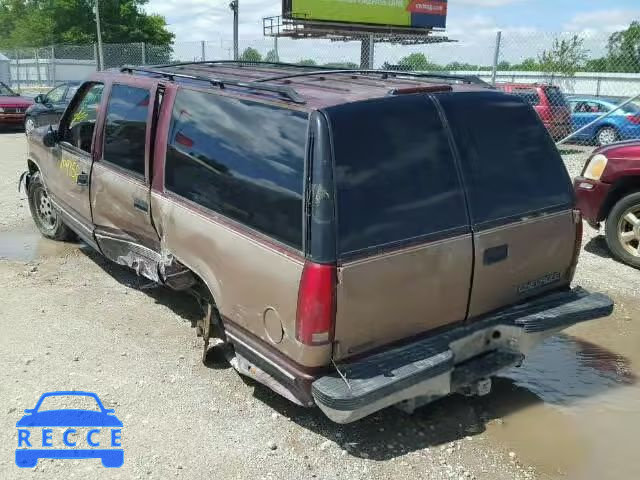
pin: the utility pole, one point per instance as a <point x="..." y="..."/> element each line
<point x="234" y="7"/>
<point x="96" y="10"/>
<point x="496" y="58"/>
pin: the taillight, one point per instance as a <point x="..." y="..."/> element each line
<point x="577" y="218"/>
<point x="635" y="119"/>
<point x="315" y="318"/>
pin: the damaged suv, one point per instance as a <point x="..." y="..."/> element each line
<point x="357" y="239"/>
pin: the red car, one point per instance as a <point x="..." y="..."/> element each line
<point x="12" y="106"/>
<point x="549" y="103"/>
<point x="609" y="190"/>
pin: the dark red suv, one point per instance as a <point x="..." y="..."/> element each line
<point x="548" y="101"/>
<point x="609" y="190"/>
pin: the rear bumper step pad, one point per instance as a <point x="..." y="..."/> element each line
<point x="396" y="374"/>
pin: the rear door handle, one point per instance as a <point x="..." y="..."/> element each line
<point x="140" y="205"/>
<point x="82" y="179"/>
<point x="496" y="254"/>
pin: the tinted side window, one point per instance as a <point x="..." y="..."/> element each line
<point x="510" y="165"/>
<point x="82" y="119"/>
<point x="395" y="175"/>
<point x="126" y="127"/>
<point x="242" y="159"/>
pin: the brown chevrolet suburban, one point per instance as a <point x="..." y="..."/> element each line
<point x="357" y="239"/>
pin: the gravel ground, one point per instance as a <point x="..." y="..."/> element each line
<point x="71" y="320"/>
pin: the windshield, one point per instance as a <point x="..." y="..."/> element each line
<point x="69" y="402"/>
<point x="555" y="97"/>
<point x="4" y="90"/>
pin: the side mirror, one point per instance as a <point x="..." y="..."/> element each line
<point x="28" y="410"/>
<point x="50" y="138"/>
<point x="109" y="410"/>
<point x="39" y="98"/>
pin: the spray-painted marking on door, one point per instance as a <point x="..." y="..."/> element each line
<point x="70" y="167"/>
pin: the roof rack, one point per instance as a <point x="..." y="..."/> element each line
<point x="284" y="91"/>
<point x="242" y="63"/>
<point x="319" y="70"/>
<point x="469" y="79"/>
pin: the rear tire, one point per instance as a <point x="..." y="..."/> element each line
<point x="45" y="215"/>
<point x="607" y="136"/>
<point x="623" y="230"/>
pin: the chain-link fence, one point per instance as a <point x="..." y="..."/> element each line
<point x="572" y="80"/>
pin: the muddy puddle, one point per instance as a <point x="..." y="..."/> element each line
<point x="28" y="246"/>
<point x="573" y="409"/>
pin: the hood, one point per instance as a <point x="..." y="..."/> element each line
<point x="7" y="101"/>
<point x="622" y="150"/>
<point x="69" y="418"/>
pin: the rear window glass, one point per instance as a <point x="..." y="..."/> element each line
<point x="529" y="95"/>
<point x="555" y="97"/>
<point x="394" y="172"/>
<point x="630" y="108"/>
<point x="510" y="165"/>
<point x="239" y="158"/>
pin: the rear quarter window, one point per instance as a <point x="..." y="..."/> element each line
<point x="510" y="165"/>
<point x="240" y="158"/>
<point x="396" y="180"/>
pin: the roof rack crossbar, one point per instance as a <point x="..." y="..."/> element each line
<point x="285" y="91"/>
<point x="470" y="79"/>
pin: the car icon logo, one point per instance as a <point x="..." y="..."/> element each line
<point x="62" y="433"/>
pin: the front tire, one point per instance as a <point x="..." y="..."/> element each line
<point x="607" y="136"/>
<point x="44" y="214"/>
<point x="623" y="230"/>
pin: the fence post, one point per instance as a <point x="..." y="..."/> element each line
<point x="598" y="84"/>
<point x="143" y="47"/>
<point x="18" y="71"/>
<point x="37" y="56"/>
<point x="95" y="56"/>
<point x="203" y="50"/>
<point x="496" y="58"/>
<point x="53" y="65"/>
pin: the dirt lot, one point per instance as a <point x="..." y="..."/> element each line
<point x="70" y="320"/>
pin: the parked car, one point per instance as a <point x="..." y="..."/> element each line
<point x="608" y="190"/>
<point x="622" y="124"/>
<point x="548" y="101"/>
<point x="12" y="106"/>
<point x="49" y="107"/>
<point x="340" y="248"/>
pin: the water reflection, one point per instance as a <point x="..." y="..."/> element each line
<point x="565" y="369"/>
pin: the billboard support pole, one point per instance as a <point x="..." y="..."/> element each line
<point x="496" y="58"/>
<point x="367" y="46"/>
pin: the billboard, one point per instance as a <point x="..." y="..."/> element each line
<point x="393" y="13"/>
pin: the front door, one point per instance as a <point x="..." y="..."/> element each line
<point x="120" y="181"/>
<point x="68" y="180"/>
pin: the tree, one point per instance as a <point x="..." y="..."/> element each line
<point x="565" y="57"/>
<point x="308" y="62"/>
<point x="527" y="65"/>
<point x="271" y="56"/>
<point x="416" y="61"/>
<point x="35" y="23"/>
<point x="624" y="49"/>
<point x="251" y="55"/>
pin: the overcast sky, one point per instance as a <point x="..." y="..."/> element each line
<point x="527" y="25"/>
